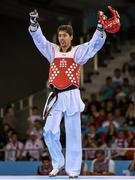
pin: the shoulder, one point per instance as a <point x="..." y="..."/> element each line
<point x="75" y="48"/>
<point x="55" y="46"/>
<point x="8" y="146"/>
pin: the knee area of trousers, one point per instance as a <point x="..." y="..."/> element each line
<point x="47" y="136"/>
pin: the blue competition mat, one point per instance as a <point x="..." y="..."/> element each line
<point x="66" y="177"/>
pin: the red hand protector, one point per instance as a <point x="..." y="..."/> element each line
<point x="111" y="25"/>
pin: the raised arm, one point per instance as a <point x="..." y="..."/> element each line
<point x="89" y="49"/>
<point x="44" y="46"/>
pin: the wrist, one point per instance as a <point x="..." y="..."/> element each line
<point x="100" y="27"/>
<point x="34" y="27"/>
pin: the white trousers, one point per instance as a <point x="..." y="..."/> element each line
<point x="73" y="141"/>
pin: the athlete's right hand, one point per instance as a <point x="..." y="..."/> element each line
<point x="34" y="17"/>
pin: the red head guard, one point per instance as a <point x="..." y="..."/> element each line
<point x="111" y="25"/>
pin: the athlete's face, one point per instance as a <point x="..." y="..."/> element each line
<point x="64" y="39"/>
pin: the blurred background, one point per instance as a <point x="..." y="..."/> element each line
<point x="107" y="83"/>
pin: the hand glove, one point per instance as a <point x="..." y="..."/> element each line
<point x="34" y="20"/>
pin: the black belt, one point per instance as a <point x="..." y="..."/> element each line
<point x="55" y="94"/>
<point x="55" y="90"/>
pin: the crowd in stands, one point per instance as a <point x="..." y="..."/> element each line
<point x="30" y="148"/>
<point x="109" y="117"/>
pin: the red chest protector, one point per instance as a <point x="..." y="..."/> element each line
<point x="64" y="72"/>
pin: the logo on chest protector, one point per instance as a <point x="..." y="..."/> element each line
<point x="63" y="63"/>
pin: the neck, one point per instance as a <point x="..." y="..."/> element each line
<point x="65" y="49"/>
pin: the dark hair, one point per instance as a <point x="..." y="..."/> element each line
<point x="9" y="106"/>
<point x="43" y="158"/>
<point x="14" y="133"/>
<point x="67" y="28"/>
<point x="108" y="78"/>
<point x="100" y="151"/>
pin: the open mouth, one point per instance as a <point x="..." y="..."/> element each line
<point x="62" y="43"/>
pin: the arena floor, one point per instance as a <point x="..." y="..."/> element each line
<point x="66" y="177"/>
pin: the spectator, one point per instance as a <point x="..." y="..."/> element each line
<point x="125" y="70"/>
<point x="132" y="77"/>
<point x="130" y="115"/>
<point x="120" y="94"/>
<point x="118" y="116"/>
<point x="4" y="135"/>
<point x="37" y="129"/>
<point x="107" y="90"/>
<point x="117" y="77"/>
<point x="9" y="135"/>
<point x="110" y="134"/>
<point x="34" y="116"/>
<point x="84" y="168"/>
<point x="126" y="88"/>
<point x="94" y="115"/>
<point x="108" y="143"/>
<point x="132" y="95"/>
<point x="94" y="101"/>
<point x="9" y="117"/>
<point x="14" y="149"/>
<point x="89" y="143"/>
<point x="110" y="120"/>
<point x="109" y="106"/>
<point x="102" y="117"/>
<point x="123" y="104"/>
<point x="6" y="127"/>
<point x="129" y="134"/>
<point x="92" y="134"/>
<point x="101" y="165"/>
<point x="46" y="166"/>
<point x="131" y="167"/>
<point x="120" y="142"/>
<point x="130" y="153"/>
<point x="33" y="148"/>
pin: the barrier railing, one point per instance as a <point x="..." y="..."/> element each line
<point x="88" y="153"/>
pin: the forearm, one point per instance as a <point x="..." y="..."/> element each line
<point x="88" y="50"/>
<point x="97" y="41"/>
<point x="42" y="44"/>
<point x="37" y="35"/>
